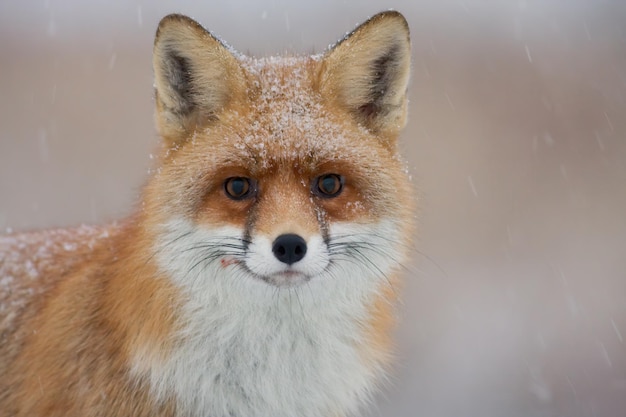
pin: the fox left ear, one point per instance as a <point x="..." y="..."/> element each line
<point x="196" y="77"/>
<point x="368" y="73"/>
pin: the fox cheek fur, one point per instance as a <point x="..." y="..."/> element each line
<point x="259" y="276"/>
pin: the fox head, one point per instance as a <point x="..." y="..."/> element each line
<point x="284" y="171"/>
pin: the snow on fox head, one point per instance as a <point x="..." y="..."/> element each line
<point x="282" y="171"/>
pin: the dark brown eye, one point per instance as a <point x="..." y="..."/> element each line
<point x="328" y="185"/>
<point x="237" y="188"/>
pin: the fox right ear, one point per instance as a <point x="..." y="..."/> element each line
<point x="368" y="72"/>
<point x="196" y="76"/>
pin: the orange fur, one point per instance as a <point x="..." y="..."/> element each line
<point x="85" y="310"/>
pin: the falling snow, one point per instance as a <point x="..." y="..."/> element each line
<point x="139" y="16"/>
<point x="112" y="61"/>
<point x="617" y="332"/>
<point x="530" y="58"/>
<point x="470" y="181"/>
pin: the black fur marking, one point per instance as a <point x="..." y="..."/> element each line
<point x="384" y="69"/>
<point x="369" y="110"/>
<point x="247" y="233"/>
<point x="177" y="70"/>
<point x="383" y="72"/>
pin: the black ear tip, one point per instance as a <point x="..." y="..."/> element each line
<point x="169" y="19"/>
<point x="390" y="15"/>
<point x="176" y="19"/>
<point x="174" y="16"/>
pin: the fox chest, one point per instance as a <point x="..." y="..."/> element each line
<point x="266" y="365"/>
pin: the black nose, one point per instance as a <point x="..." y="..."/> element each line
<point x="289" y="248"/>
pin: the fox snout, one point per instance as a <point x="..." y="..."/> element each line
<point x="287" y="260"/>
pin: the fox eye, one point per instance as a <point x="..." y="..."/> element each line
<point x="237" y="188"/>
<point x="328" y="185"/>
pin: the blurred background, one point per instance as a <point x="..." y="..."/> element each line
<point x="516" y="304"/>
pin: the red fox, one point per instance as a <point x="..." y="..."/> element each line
<point x="257" y="277"/>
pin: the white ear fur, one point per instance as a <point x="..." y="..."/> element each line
<point x="196" y="75"/>
<point x="368" y="72"/>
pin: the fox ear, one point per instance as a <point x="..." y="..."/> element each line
<point x="368" y="72"/>
<point x="196" y="76"/>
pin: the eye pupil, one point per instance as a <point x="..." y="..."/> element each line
<point x="237" y="187"/>
<point x="329" y="185"/>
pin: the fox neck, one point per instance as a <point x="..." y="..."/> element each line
<point x="242" y="347"/>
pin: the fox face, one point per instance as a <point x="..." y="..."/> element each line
<point x="289" y="164"/>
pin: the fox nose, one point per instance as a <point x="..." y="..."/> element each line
<point x="289" y="248"/>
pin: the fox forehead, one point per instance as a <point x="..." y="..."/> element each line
<point x="285" y="120"/>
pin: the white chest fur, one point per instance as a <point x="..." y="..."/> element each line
<point x="249" y="349"/>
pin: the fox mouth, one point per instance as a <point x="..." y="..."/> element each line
<point x="288" y="278"/>
<point x="288" y="274"/>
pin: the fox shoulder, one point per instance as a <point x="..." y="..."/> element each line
<point x="31" y="265"/>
